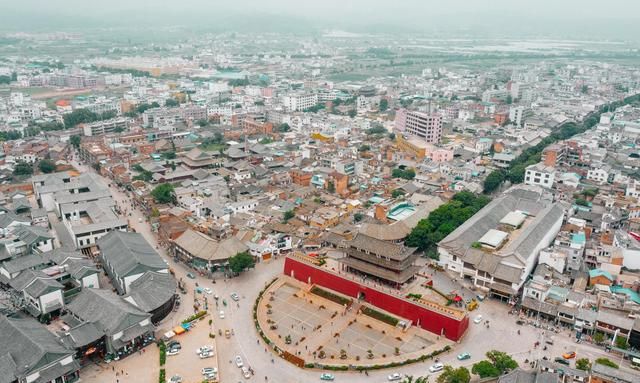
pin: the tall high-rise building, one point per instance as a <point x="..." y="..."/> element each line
<point x="427" y="126"/>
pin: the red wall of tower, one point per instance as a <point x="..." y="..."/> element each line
<point x="429" y="320"/>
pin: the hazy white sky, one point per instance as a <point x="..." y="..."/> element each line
<point x="587" y="14"/>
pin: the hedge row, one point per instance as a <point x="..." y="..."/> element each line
<point x="163" y="352"/>
<point x="266" y="340"/>
<point x="421" y="358"/>
<point x="382" y="317"/>
<point x="330" y="296"/>
<point x="193" y="317"/>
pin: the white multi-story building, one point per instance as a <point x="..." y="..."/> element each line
<point x="106" y="126"/>
<point x="516" y="115"/>
<point x="540" y="175"/>
<point x="599" y="174"/>
<point x="300" y="101"/>
<point x="100" y="106"/>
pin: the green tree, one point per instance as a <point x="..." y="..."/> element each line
<point x="169" y="155"/>
<point x="10" y="135"/>
<point x="376" y="129"/>
<point x="75" y="141"/>
<point x="621" y="342"/>
<point x="364" y="148"/>
<point x="397" y="193"/>
<point x="384" y="105"/>
<point x="287" y="215"/>
<point x="407" y="174"/>
<point x="485" y="369"/>
<point x="283" y="128"/>
<point x="502" y="361"/>
<point x="22" y="169"/>
<point x="171" y="102"/>
<point x="241" y="261"/>
<point x="357" y="217"/>
<point x="163" y="193"/>
<point x="202" y="122"/>
<point x="493" y="181"/>
<point x="598" y="338"/>
<point x="409" y="379"/>
<point x="583" y="364"/>
<point x="331" y="187"/>
<point x="392" y="136"/>
<point x="509" y="100"/>
<point x="47" y="166"/>
<point x="454" y="375"/>
<point x="352" y="113"/>
<point x="443" y="220"/>
<point x="585" y="89"/>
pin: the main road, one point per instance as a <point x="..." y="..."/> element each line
<point x="501" y="335"/>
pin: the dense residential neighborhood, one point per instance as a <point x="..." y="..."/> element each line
<point x="239" y="194"/>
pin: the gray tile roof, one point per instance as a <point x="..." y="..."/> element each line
<point x="32" y="234"/>
<point x="83" y="334"/>
<point x="375" y="246"/>
<point x="613" y="374"/>
<point x="27" y="347"/>
<point x="202" y="246"/>
<point x="9" y="218"/>
<point x="61" y="255"/>
<point x="129" y="253"/>
<point x="151" y="290"/>
<point x="25" y="262"/>
<point x="106" y="310"/>
<point x="518" y="376"/>
<point x="35" y="283"/>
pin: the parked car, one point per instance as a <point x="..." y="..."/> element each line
<point x="464" y="356"/>
<point x="175" y="379"/>
<point x="190" y="275"/>
<point x="238" y="360"/>
<point x="394" y="376"/>
<point x="245" y="372"/>
<point x="202" y="349"/>
<point x="327" y="376"/>
<point x="211" y="377"/>
<point x="206" y="354"/>
<point x="477" y="319"/>
<point x="174" y="344"/>
<point x="480" y="297"/>
<point x="227" y="334"/>
<point x="221" y="314"/>
<point x="173" y="351"/>
<point x="436" y="367"/>
<point x="208" y="290"/>
<point x="235" y="297"/>
<point x="209" y="370"/>
<point x="569" y="355"/>
<point x="561" y="361"/>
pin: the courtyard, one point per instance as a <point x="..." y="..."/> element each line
<point x="318" y="329"/>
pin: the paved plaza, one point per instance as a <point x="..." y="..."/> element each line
<point x="320" y="330"/>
